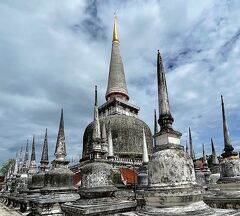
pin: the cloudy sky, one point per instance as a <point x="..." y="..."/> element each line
<point x="52" y="53"/>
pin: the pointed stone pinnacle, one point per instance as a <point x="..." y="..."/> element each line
<point x="228" y="148"/>
<point x="214" y="156"/>
<point x="165" y="117"/>
<point x="110" y="141"/>
<point x="44" y="158"/>
<point x="33" y="155"/>
<point x="96" y="96"/>
<point x="191" y="144"/>
<point x="145" y="151"/>
<point x="117" y="86"/>
<point x="96" y="127"/>
<point x="155" y="122"/>
<point x="25" y="162"/>
<point x="60" y="150"/>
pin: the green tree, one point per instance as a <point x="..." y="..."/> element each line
<point x="5" y="166"/>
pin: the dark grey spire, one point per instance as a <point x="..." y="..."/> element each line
<point x="25" y="162"/>
<point x="186" y="146"/>
<point x="96" y="96"/>
<point x="116" y="79"/>
<point x="33" y="155"/>
<point x="44" y="158"/>
<point x="33" y="165"/>
<point x="96" y="104"/>
<point x="155" y="128"/>
<point x="228" y="148"/>
<point x="165" y="118"/>
<point x="60" y="150"/>
<point x="190" y="144"/>
<point x="214" y="156"/>
<point x="155" y="122"/>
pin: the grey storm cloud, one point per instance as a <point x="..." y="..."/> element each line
<point x="52" y="53"/>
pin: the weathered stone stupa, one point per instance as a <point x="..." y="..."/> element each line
<point x="171" y="174"/>
<point x="126" y="127"/>
<point x="58" y="182"/>
<point x="227" y="192"/>
<point x="97" y="190"/>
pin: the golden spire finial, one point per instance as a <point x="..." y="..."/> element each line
<point x="115" y="33"/>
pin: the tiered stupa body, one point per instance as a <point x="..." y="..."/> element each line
<point x="123" y="116"/>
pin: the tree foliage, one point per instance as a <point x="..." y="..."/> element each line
<point x="5" y="166"/>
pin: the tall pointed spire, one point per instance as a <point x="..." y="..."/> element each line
<point x="33" y="155"/>
<point x="110" y="142"/>
<point x="145" y="151"/>
<point x="117" y="86"/>
<point x="96" y="126"/>
<point x="165" y="117"/>
<point x="228" y="148"/>
<point x="60" y="150"/>
<point x="25" y="162"/>
<point x="33" y="165"/>
<point x="214" y="156"/>
<point x="96" y="104"/>
<point x="44" y="158"/>
<point x="190" y="144"/>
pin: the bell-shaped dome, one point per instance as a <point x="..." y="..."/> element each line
<point x="126" y="134"/>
